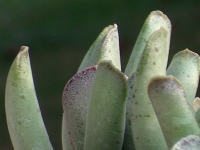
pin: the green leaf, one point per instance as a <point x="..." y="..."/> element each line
<point x="146" y="130"/>
<point x="197" y="116"/>
<point x="128" y="143"/>
<point x="105" y="47"/>
<point x="25" y="124"/>
<point x="153" y="23"/>
<point x="174" y="113"/>
<point x="106" y="114"/>
<point x="75" y="104"/>
<point x="185" y="66"/>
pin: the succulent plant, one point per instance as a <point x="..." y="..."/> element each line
<point x="149" y="106"/>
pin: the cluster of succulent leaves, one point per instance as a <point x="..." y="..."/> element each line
<point x="149" y="106"/>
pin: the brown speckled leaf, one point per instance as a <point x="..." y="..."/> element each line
<point x="75" y="103"/>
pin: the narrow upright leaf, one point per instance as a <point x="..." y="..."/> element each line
<point x="106" y="114"/>
<point x="105" y="47"/>
<point x="146" y="130"/>
<point x="153" y="23"/>
<point x="75" y="104"/>
<point x="25" y="124"/>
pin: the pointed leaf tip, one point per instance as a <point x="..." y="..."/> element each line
<point x="25" y="123"/>
<point x="152" y="24"/>
<point x="105" y="47"/>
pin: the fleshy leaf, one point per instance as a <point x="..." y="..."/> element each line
<point x="128" y="143"/>
<point x="174" y="113"/>
<point x="106" y="114"/>
<point x="153" y="23"/>
<point x="75" y="104"/>
<point x="146" y="130"/>
<point x="185" y="66"/>
<point x="25" y="123"/>
<point x="105" y="47"/>
<point x="190" y="142"/>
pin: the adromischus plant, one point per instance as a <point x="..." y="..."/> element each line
<point x="147" y="107"/>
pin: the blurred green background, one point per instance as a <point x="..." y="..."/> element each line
<point x="59" y="32"/>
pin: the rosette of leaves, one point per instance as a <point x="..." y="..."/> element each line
<point x="149" y="106"/>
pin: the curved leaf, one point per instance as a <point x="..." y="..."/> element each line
<point x="105" y="47"/>
<point x="25" y="124"/>
<point x="75" y="104"/>
<point x="146" y="130"/>
<point x="153" y="23"/>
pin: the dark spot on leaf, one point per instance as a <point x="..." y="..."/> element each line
<point x="22" y="96"/>
<point x="129" y="122"/>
